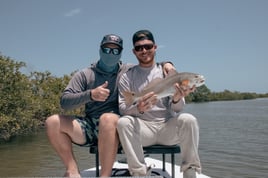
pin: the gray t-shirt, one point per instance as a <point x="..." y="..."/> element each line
<point x="134" y="80"/>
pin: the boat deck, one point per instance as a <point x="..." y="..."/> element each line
<point x="156" y="171"/>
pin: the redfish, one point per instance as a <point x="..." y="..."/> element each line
<point x="163" y="87"/>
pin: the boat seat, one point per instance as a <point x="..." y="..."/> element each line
<point x="154" y="149"/>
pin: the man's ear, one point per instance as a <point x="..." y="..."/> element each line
<point x="133" y="50"/>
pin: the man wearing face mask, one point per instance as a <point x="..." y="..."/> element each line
<point x="96" y="88"/>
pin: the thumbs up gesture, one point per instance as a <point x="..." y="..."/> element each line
<point x="101" y="93"/>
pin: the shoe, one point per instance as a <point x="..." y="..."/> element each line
<point x="116" y="172"/>
<point x="149" y="169"/>
<point x="189" y="173"/>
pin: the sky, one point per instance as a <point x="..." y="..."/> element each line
<point x="224" y="40"/>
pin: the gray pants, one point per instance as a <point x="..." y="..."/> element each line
<point x="134" y="133"/>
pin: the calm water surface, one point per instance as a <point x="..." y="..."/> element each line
<point x="233" y="144"/>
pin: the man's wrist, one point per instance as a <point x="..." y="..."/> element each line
<point x="175" y="102"/>
<point x="90" y="95"/>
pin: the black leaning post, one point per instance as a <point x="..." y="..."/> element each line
<point x="173" y="165"/>
<point x="97" y="164"/>
<point x="163" y="162"/>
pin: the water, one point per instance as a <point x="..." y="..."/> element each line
<point x="233" y="144"/>
<point x="233" y="137"/>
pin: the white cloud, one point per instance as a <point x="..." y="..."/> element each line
<point x="72" y="12"/>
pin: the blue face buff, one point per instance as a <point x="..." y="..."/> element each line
<point x="108" y="62"/>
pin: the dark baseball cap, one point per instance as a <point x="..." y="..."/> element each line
<point x="142" y="35"/>
<point x="114" y="39"/>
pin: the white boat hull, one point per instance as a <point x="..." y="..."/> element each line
<point x="157" y="169"/>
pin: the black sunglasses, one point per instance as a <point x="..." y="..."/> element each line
<point x="115" y="51"/>
<point x="141" y="47"/>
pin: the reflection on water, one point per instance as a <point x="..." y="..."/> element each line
<point x="233" y="143"/>
<point x="33" y="156"/>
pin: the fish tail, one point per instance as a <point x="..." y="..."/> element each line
<point x="129" y="97"/>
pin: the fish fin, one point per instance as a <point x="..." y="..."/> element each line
<point x="171" y="73"/>
<point x="129" y="97"/>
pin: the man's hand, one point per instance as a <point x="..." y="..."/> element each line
<point x="181" y="91"/>
<point x="101" y="93"/>
<point x="167" y="68"/>
<point x="147" y="102"/>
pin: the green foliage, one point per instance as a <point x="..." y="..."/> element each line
<point x="46" y="91"/>
<point x="228" y="95"/>
<point x="26" y="101"/>
<point x="201" y="94"/>
<point x="15" y="99"/>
